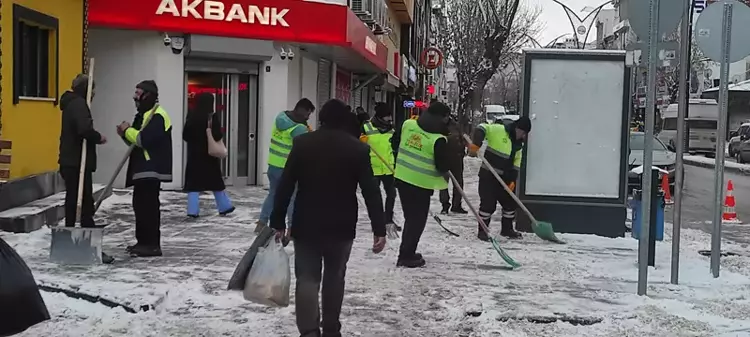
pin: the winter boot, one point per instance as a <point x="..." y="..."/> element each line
<point x="106" y="259"/>
<point x="145" y="251"/>
<point x="507" y="230"/>
<point x="415" y="261"/>
<point x="445" y="210"/>
<point x="458" y="210"/>
<point x="193" y="204"/>
<point x="481" y="234"/>
<point x="131" y="247"/>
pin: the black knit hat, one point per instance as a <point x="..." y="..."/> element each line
<point x="439" y="109"/>
<point x="523" y="123"/>
<point x="382" y="110"/>
<point x="148" y="86"/>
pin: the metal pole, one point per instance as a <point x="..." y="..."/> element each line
<point x="648" y="149"/>
<point x="682" y="99"/>
<point x="726" y="36"/>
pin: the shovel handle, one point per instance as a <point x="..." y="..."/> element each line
<point x="468" y="203"/>
<point x="505" y="186"/>
<point x="381" y="159"/>
<point x="84" y="146"/>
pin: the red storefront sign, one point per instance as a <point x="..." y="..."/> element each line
<point x="343" y="86"/>
<point x="278" y="20"/>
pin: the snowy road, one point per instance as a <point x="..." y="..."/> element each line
<point x="698" y="202"/>
<point x="465" y="289"/>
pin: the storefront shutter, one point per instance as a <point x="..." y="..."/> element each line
<point x="324" y="82"/>
<point x="357" y="99"/>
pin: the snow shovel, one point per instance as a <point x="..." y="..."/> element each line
<point x="78" y="245"/>
<point x="509" y="260"/>
<point x="440" y="223"/>
<point x="390" y="229"/>
<point x="542" y="229"/>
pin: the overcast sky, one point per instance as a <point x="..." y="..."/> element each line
<point x="554" y="18"/>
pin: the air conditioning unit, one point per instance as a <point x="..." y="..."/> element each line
<point x="363" y="9"/>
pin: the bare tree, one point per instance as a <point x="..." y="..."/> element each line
<point x="671" y="74"/>
<point x="478" y="35"/>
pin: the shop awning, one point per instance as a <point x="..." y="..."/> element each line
<point x="326" y="27"/>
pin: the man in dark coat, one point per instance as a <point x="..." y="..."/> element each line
<point x="77" y="125"/>
<point x="457" y="149"/>
<point x="202" y="171"/>
<point x="149" y="165"/>
<point x="327" y="166"/>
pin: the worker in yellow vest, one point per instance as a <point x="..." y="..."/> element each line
<point x="504" y="153"/>
<point x="287" y="126"/>
<point x="378" y="134"/>
<point x="422" y="163"/>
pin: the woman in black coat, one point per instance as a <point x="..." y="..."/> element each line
<point x="203" y="172"/>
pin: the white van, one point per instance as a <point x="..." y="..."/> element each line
<point x="493" y="112"/>
<point x="702" y="123"/>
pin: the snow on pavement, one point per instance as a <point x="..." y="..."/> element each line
<point x="465" y="289"/>
<point x="710" y="162"/>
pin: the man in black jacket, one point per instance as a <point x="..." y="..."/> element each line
<point x="149" y="165"/>
<point x="422" y="164"/>
<point x="457" y="149"/>
<point x="76" y="126"/>
<point x="326" y="166"/>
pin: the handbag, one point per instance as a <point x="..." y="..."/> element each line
<point x="216" y="148"/>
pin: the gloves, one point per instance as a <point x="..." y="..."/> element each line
<point x="309" y="128"/>
<point x="473" y="149"/>
<point x="512" y="186"/>
<point x="363" y="138"/>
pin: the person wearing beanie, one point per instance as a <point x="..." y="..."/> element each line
<point x="457" y="149"/>
<point x="326" y="165"/>
<point x="377" y="134"/>
<point x="76" y="126"/>
<point x="286" y="127"/>
<point x="504" y="153"/>
<point x="149" y="165"/>
<point x="422" y="164"/>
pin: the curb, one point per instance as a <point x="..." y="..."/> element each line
<point x="740" y="170"/>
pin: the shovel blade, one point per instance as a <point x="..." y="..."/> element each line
<point x="76" y="245"/>
<point x="545" y="231"/>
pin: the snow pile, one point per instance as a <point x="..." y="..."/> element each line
<point x="711" y="162"/>
<point x="465" y="289"/>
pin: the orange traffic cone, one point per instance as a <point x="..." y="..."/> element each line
<point x="665" y="187"/>
<point x="729" y="215"/>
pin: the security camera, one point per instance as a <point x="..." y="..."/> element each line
<point x="282" y="54"/>
<point x="290" y="54"/>
<point x="167" y="40"/>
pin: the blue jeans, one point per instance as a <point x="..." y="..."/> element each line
<point x="274" y="175"/>
<point x="223" y="204"/>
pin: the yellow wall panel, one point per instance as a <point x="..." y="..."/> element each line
<point x="34" y="126"/>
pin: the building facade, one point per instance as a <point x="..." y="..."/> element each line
<point x="41" y="46"/>
<point x="257" y="58"/>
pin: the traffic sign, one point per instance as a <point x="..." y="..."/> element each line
<point x="709" y="26"/>
<point x="637" y="14"/>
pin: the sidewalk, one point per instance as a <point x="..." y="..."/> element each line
<point x="729" y="165"/>
<point x="463" y="291"/>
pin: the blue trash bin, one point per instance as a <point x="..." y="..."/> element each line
<point x="635" y="205"/>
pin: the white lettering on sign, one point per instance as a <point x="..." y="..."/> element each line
<point x="216" y="11"/>
<point x="371" y="46"/>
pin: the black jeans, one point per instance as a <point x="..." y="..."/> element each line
<point x="415" y="202"/>
<point x="390" y="195"/>
<point x="490" y="194"/>
<point x="309" y="259"/>
<point x="146" y="206"/>
<point x="71" y="175"/>
<point x="458" y="172"/>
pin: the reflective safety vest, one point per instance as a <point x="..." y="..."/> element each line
<point x="415" y="163"/>
<point x="133" y="136"/>
<point x="281" y="145"/>
<point x="500" y="144"/>
<point x="380" y="143"/>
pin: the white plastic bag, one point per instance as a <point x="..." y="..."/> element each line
<point x="269" y="279"/>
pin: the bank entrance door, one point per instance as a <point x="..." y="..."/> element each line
<point x="236" y="102"/>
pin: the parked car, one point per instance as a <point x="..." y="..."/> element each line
<point x="737" y="137"/>
<point x="663" y="159"/>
